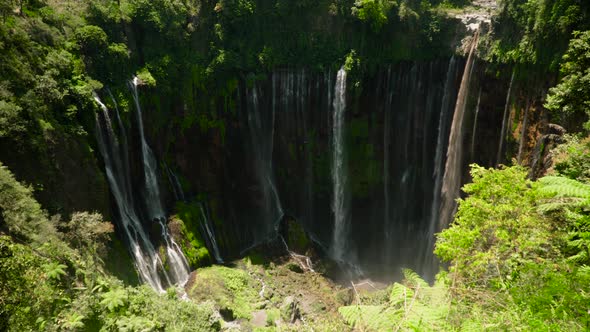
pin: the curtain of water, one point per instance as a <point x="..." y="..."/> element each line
<point x="339" y="208"/>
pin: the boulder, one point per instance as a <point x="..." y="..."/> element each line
<point x="290" y="310"/>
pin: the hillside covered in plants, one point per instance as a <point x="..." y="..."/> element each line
<point x="274" y="165"/>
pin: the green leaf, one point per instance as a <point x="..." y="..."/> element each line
<point x="54" y="270"/>
<point x="114" y="299"/>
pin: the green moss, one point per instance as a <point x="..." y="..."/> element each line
<point x="232" y="289"/>
<point x="210" y="121"/>
<point x="164" y="258"/>
<point x="255" y="258"/>
<point x="365" y="171"/>
<point x="146" y="77"/>
<point x="195" y="250"/>
<point x="296" y="238"/>
<point x="271" y="316"/>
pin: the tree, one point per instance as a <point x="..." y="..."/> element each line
<point x="412" y="305"/>
<point x="572" y="94"/>
<point x="6" y="7"/>
<point x="92" y="39"/>
<point x="496" y="228"/>
<point x="373" y="12"/>
<point x="11" y="122"/>
<point x="87" y="232"/>
<point x="507" y="259"/>
<point x="21" y="213"/>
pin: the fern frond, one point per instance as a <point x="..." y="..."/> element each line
<point x="557" y="204"/>
<point x="584" y="271"/>
<point x="400" y="294"/>
<point x="413" y="279"/>
<point x="580" y="257"/>
<point x="370" y="317"/>
<point x="564" y="187"/>
<point x="413" y="305"/>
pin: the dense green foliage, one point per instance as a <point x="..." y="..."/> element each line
<point x="496" y="229"/>
<point x="536" y="31"/>
<point x="572" y="159"/>
<point x="518" y="254"/>
<point x="191" y="216"/>
<point x="412" y="305"/>
<point x="518" y="250"/>
<point x="44" y="85"/>
<point x="21" y="214"/>
<point x="572" y="95"/>
<point x="52" y="276"/>
<point x="509" y="259"/>
<point x="231" y="289"/>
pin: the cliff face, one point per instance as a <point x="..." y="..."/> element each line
<point x="244" y="119"/>
<point x="63" y="170"/>
<point x="261" y="148"/>
<point x="266" y="152"/>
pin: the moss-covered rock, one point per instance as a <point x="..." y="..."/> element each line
<point x="294" y="235"/>
<point x="184" y="229"/>
<point x="233" y="290"/>
<point x="290" y="309"/>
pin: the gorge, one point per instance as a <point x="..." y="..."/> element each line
<point x="308" y="165"/>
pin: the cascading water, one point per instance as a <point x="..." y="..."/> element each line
<point x="386" y="148"/>
<point x="176" y="260"/>
<point x="210" y="234"/>
<point x="124" y="146"/>
<point x="504" y="120"/>
<point x="147" y="261"/>
<point x="452" y="178"/>
<point x="474" y="131"/>
<point x="206" y="228"/>
<point x="523" y="133"/>
<point x="439" y="163"/>
<point x="175" y="184"/>
<point x="374" y="187"/>
<point x="339" y="204"/>
<point x="261" y="130"/>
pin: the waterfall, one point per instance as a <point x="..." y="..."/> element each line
<point x="124" y="142"/>
<point x="147" y="262"/>
<point x="364" y="179"/>
<point x="386" y="146"/>
<point x="210" y="235"/>
<point x="428" y="262"/>
<point x="452" y="177"/>
<point x="475" y="125"/>
<point x="152" y="191"/>
<point x="261" y="130"/>
<point x="175" y="184"/>
<point x="504" y="120"/>
<point x="176" y="260"/>
<point x="523" y="132"/>
<point x="339" y="208"/>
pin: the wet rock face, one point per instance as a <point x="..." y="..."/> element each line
<point x="542" y="155"/>
<point x="64" y="173"/>
<point x="290" y="309"/>
<point x="390" y="138"/>
<point x="476" y="17"/>
<point x="480" y="12"/>
<point x="294" y="235"/>
<point x="555" y="129"/>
